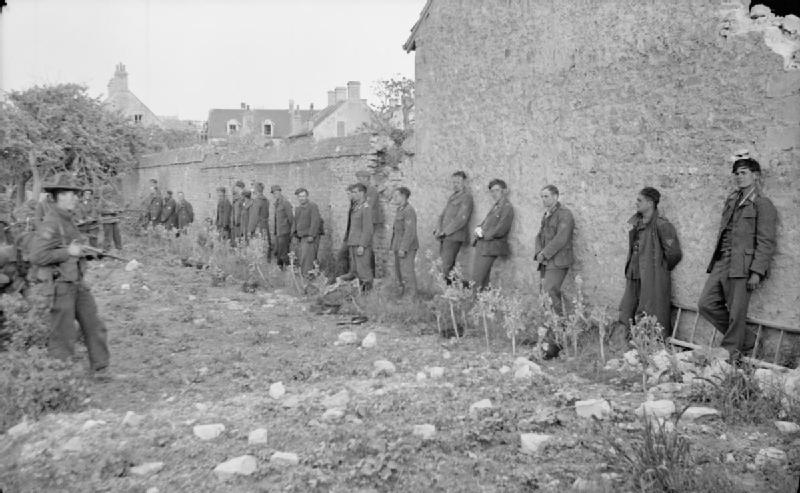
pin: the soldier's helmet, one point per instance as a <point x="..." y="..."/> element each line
<point x="62" y="181"/>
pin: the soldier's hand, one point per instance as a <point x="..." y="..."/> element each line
<point x="310" y="239"/>
<point x="401" y="253"/>
<point x="753" y="282"/>
<point x="74" y="250"/>
<point x="360" y="251"/>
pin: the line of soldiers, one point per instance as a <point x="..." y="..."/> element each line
<point x="164" y="210"/>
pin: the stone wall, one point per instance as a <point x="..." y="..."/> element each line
<point x="602" y="98"/>
<point x="325" y="168"/>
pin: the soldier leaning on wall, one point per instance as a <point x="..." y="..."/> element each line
<point x="491" y="236"/>
<point x="236" y="212"/>
<point x="553" y="249"/>
<point x="222" y="221"/>
<point x="283" y="224"/>
<point x="152" y="205"/>
<point x="745" y="245"/>
<point x="452" y="229"/>
<point x="373" y="200"/>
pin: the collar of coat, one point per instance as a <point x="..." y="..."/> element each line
<point x="637" y="219"/>
<point x="748" y="197"/>
<point x="501" y="202"/>
<point x="552" y="210"/>
<point x="456" y="194"/>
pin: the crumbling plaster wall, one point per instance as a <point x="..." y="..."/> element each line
<point x="602" y="98"/>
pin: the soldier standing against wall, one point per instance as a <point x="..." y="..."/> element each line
<point x="373" y="200"/>
<point x="224" y="212"/>
<point x="359" y="238"/>
<point x="554" y="246"/>
<point x="282" y="226"/>
<point x="307" y="227"/>
<point x="244" y="219"/>
<point x="153" y="204"/>
<point x="109" y="218"/>
<point x="56" y="250"/>
<point x="259" y="216"/>
<point x="87" y="217"/>
<point x="491" y="236"/>
<point x="184" y="212"/>
<point x="653" y="251"/>
<point x="236" y="212"/>
<point x="453" y="225"/>
<point x="404" y="243"/>
<point x="167" y="218"/>
<point x="745" y="245"/>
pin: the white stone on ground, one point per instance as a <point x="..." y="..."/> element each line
<point x="369" y="340"/>
<point x="524" y="369"/>
<point x="257" y="436"/>
<point x="613" y="364"/>
<point x="770" y="457"/>
<point x="208" y="432"/>
<point x="19" y="429"/>
<point x="339" y="399"/>
<point x="656" y="409"/>
<point x="787" y="427"/>
<point x="74" y="444"/>
<point x="284" y="458"/>
<point x="425" y="431"/>
<point x="332" y="415"/>
<point x="533" y="443"/>
<point x="436" y="372"/>
<point x="593" y="408"/>
<point x="695" y="413"/>
<point x="759" y="10"/>
<point x="132" y="265"/>
<point x="791" y="24"/>
<point x="383" y="368"/>
<point x="347" y="337"/>
<point x="244" y="465"/>
<point x="504" y="369"/>
<point x="476" y="407"/>
<point x="277" y="390"/>
<point x="125" y="287"/>
<point x="91" y="423"/>
<point x="147" y="468"/>
<point x="132" y="419"/>
<point x="631" y="358"/>
<point x="421" y="376"/>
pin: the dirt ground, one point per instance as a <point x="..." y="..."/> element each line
<point x="185" y="353"/>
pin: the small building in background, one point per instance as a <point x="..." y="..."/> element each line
<point x="120" y="98"/>
<point x="346" y="114"/>
<point x="266" y="123"/>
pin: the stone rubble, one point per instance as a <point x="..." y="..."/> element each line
<point x="277" y="390"/>
<point x="534" y="443"/>
<point x="147" y="468"/>
<point x="132" y="419"/>
<point x="208" y="432"/>
<point x="284" y="459"/>
<point x="346" y="338"/>
<point x="369" y="341"/>
<point x="426" y="431"/>
<point x="333" y="415"/>
<point x="787" y="427"/>
<point x="383" y="368"/>
<point x="436" y="372"/>
<point x="656" y="409"/>
<point x="244" y="465"/>
<point x="770" y="457"/>
<point x="257" y="436"/>
<point x="480" y="405"/>
<point x="338" y="400"/>
<point x="697" y="413"/>
<point x="593" y="408"/>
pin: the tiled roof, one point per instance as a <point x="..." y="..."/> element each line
<point x="411" y="43"/>
<point x="282" y="121"/>
<point x="318" y="118"/>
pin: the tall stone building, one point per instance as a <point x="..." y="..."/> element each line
<point x="120" y="98"/>
<point x="601" y="99"/>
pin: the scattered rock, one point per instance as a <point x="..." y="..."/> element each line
<point x="369" y="341"/>
<point x="333" y="415"/>
<point x="593" y="408"/>
<point x="696" y="413"/>
<point x="338" y="400"/>
<point x="504" y="369"/>
<point x="787" y="427"/>
<point x="125" y="287"/>
<point x="20" y="429"/>
<point x="524" y="369"/>
<point x="91" y="423"/>
<point x="208" y="432"/>
<point x="383" y="368"/>
<point x="477" y="407"/>
<point x="192" y="297"/>
<point x="277" y="390"/>
<point x="533" y="443"/>
<point x="132" y="419"/>
<point x="199" y="322"/>
<point x="74" y="444"/>
<point x="234" y="306"/>
<point x="152" y="489"/>
<point x="730" y="458"/>
<point x="284" y="459"/>
<point x="436" y="372"/>
<point x="132" y="266"/>
<point x="613" y="364"/>
<point x="426" y="431"/>
<point x="656" y="409"/>
<point x="201" y="407"/>
<point x="147" y="468"/>
<point x="243" y="465"/>
<point x="445" y="354"/>
<point x="421" y="376"/>
<point x="631" y="358"/>
<point x="759" y="11"/>
<point x="347" y="337"/>
<point x="770" y="457"/>
<point x="291" y="401"/>
<point x="257" y="436"/>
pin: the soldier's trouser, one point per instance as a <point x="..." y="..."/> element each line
<point x="482" y="270"/>
<point x="308" y="254"/>
<point x="405" y="274"/>
<point x="73" y="301"/>
<point x="343" y="260"/>
<point x="449" y="252"/>
<point x="630" y="301"/>
<point x="551" y="281"/>
<point x="282" y="245"/>
<point x="111" y="231"/>
<point x="361" y="265"/>
<point x="724" y="303"/>
<point x="224" y="232"/>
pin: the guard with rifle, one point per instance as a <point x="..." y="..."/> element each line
<point x="61" y="260"/>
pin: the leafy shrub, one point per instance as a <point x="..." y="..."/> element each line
<point x="24" y="321"/>
<point x="31" y="384"/>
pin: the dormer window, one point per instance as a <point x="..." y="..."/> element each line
<point x="137" y="118"/>
<point x="232" y="126"/>
<point x="267" y="128"/>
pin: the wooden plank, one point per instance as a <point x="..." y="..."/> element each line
<point x="755" y="362"/>
<point x="751" y="321"/>
<point x="758" y="339"/>
<point x="778" y="348"/>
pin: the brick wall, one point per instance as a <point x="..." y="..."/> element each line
<point x="602" y="98"/>
<point x="325" y="168"/>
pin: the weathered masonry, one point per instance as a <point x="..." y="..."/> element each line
<point x="602" y="98"/>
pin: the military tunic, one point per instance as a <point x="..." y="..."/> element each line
<point x="494" y="242"/>
<point x="360" y="236"/>
<point x="404" y="239"/>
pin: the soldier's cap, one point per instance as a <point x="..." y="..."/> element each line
<point x="239" y="183"/>
<point x="61" y="181"/>
<point x="748" y="163"/>
<point x="274" y="188"/>
<point x="363" y="173"/>
<point x="221" y="189"/>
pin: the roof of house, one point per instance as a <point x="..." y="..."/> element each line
<point x="318" y="118"/>
<point x="281" y="119"/>
<point x="122" y="99"/>
<point x="411" y="43"/>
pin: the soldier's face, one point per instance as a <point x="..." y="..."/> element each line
<point x="180" y="197"/>
<point x="67" y="200"/>
<point x="398" y="198"/>
<point x="302" y="197"/>
<point x="496" y="192"/>
<point x="457" y="183"/>
<point x="548" y="198"/>
<point x="744" y="178"/>
<point x="642" y="204"/>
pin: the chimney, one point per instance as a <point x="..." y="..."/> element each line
<point x="242" y="106"/>
<point x="291" y="106"/>
<point x="296" y="122"/>
<point x="331" y="98"/>
<point x="341" y="94"/>
<point x="354" y="90"/>
<point x="311" y="107"/>
<point x="120" y="80"/>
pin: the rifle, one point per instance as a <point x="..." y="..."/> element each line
<point x="99" y="252"/>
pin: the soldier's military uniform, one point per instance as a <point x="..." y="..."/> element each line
<point x="154" y="203"/>
<point x="184" y="213"/>
<point x="223" y="220"/>
<point x="282" y="229"/>
<point x="167" y="218"/>
<point x="306" y="228"/>
<point x="453" y="228"/>
<point x="259" y="215"/>
<point x="109" y="220"/>
<point x="494" y="242"/>
<point x="554" y="242"/>
<point x="236" y="216"/>
<point x="360" y="235"/>
<point x="404" y="239"/>
<point x="72" y="301"/>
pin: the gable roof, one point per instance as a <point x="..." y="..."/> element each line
<point x="122" y="99"/>
<point x="411" y="43"/>
<point x="318" y="118"/>
<point x="281" y="119"/>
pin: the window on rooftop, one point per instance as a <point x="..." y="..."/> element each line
<point x="267" y="128"/>
<point x="232" y="126"/>
<point x="137" y="118"/>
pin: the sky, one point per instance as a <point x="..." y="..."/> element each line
<point x="184" y="57"/>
